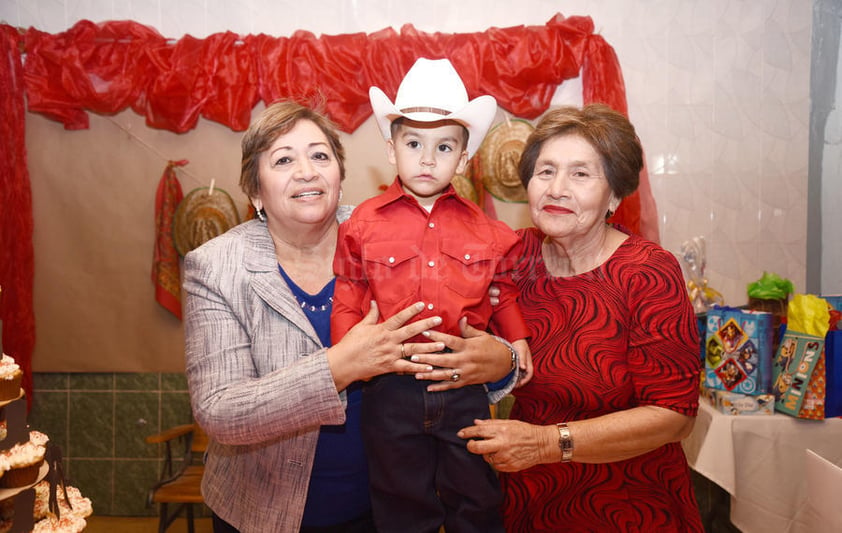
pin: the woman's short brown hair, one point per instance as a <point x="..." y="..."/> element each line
<point x="276" y="120"/>
<point x="609" y="133"/>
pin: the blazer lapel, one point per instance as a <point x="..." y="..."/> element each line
<point x="267" y="282"/>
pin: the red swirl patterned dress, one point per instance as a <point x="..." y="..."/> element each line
<point x="620" y="336"/>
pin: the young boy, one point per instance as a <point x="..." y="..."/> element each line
<point x="419" y="241"/>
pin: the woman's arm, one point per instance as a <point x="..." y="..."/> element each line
<point x="511" y="445"/>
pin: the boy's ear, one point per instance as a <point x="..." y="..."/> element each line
<point x="463" y="162"/>
<point x="390" y="151"/>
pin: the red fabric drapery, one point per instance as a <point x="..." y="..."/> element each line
<point x="108" y="67"/>
<point x="17" y="259"/>
<point x="112" y="66"/>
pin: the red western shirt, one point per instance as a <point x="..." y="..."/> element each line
<point x="393" y="251"/>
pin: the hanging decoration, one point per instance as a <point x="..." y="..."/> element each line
<point x="499" y="156"/>
<point x="205" y="213"/>
<point x="166" y="275"/>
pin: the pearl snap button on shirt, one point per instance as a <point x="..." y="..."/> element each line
<point x="431" y="264"/>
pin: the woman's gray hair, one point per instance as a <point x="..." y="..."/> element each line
<point x="609" y="133"/>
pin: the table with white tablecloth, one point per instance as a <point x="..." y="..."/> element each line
<point x="760" y="461"/>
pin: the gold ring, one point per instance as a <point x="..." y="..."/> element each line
<point x="403" y="352"/>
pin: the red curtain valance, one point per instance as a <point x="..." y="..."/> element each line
<point x="108" y="67"/>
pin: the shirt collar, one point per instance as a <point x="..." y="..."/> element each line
<point x="396" y="192"/>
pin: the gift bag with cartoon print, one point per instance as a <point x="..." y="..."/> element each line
<point x="805" y="370"/>
<point x="738" y="350"/>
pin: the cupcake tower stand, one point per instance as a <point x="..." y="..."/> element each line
<point x="22" y="497"/>
<point x="17" y="431"/>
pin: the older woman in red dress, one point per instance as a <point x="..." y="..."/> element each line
<point x="593" y="441"/>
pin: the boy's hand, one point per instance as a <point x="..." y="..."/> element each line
<point x="524" y="357"/>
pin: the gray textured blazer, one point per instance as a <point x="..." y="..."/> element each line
<point x="259" y="381"/>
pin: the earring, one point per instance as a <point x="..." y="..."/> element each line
<point x="261" y="214"/>
<point x="341" y="192"/>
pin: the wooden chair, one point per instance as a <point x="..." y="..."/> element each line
<point x="179" y="485"/>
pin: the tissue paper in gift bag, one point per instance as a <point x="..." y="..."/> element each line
<point x="771" y="293"/>
<point x="738" y="350"/>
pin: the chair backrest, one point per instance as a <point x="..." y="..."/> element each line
<point x="824" y="485"/>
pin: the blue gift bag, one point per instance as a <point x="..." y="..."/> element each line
<point x="833" y="367"/>
<point x="738" y="350"/>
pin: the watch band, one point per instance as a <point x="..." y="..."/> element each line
<point x="565" y="442"/>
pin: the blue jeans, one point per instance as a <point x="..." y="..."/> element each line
<point x="422" y="475"/>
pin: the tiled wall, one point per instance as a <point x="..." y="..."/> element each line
<point x="101" y="422"/>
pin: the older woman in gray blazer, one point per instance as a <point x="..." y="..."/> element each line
<point x="280" y="404"/>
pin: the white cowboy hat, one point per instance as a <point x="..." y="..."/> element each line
<point x="432" y="90"/>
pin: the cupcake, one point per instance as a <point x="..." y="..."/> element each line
<point x="41" y="506"/>
<point x="24" y="461"/>
<point x="10" y="377"/>
<point x="74" y="504"/>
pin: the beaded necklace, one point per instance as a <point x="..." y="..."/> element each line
<point x="312" y="308"/>
<point x="312" y="303"/>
